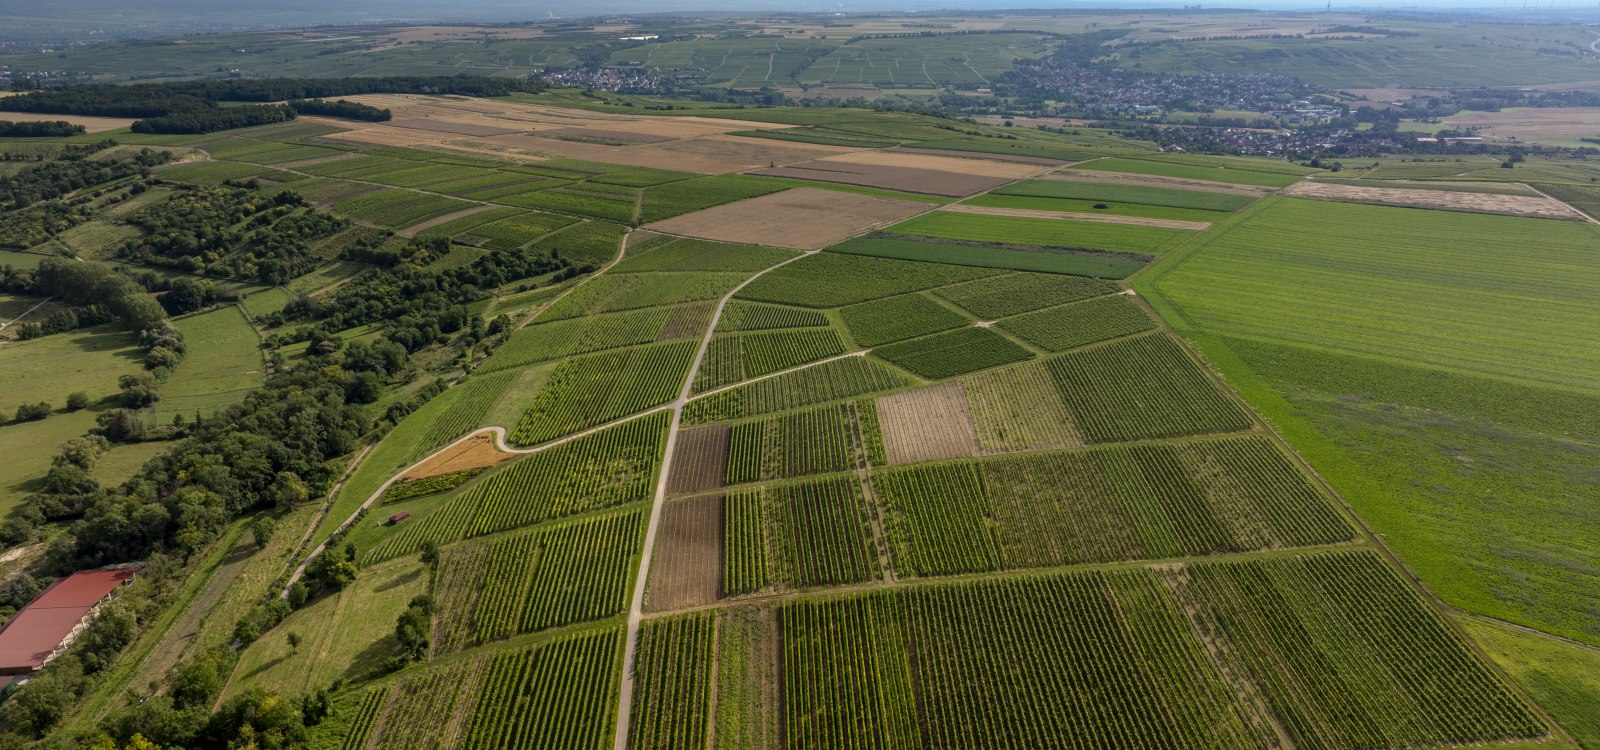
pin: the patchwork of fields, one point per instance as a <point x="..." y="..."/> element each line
<point x="831" y="439"/>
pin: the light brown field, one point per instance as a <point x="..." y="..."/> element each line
<point x="972" y="164"/>
<point x="700" y="460"/>
<point x="476" y="452"/>
<point x="450" y="126"/>
<point x="1532" y="124"/>
<point x="1484" y="203"/>
<point x="802" y="218"/>
<point x="91" y="124"/>
<point x="1181" y="183"/>
<point x="716" y="154"/>
<point x="924" y="181"/>
<point x="927" y="424"/>
<point x="1077" y="216"/>
<point x="1010" y="158"/>
<point x="686" y="570"/>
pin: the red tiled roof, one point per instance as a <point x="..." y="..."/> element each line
<point x="29" y="638"/>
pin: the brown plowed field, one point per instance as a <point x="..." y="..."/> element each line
<point x="927" y="424"/>
<point x="687" y="567"/>
<point x="802" y="218"/>
<point x="477" y="452"/>
<point x="700" y="460"/>
<point x="1484" y="203"/>
<point x="90" y="124"/>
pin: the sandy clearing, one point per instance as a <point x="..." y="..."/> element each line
<point x="1181" y="183"/>
<point x="973" y="165"/>
<point x="91" y="124"/>
<point x="801" y="218"/>
<point x="1530" y="124"/>
<point x="927" y="424"/>
<point x="416" y="229"/>
<point x="1487" y="203"/>
<point x="1198" y="226"/>
<point x="450" y="126"/>
<point x="476" y="452"/>
<point x="952" y="153"/>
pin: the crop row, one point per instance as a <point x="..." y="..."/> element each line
<point x="1349" y="657"/>
<point x="425" y="486"/>
<point x="958" y="352"/>
<point x="512" y="232"/>
<point x="1144" y="387"/>
<point x="838" y="279"/>
<point x="1012" y="294"/>
<point x="701" y="255"/>
<point x="744" y="543"/>
<point x="1058" y="329"/>
<point x="1024" y="230"/>
<point x="609" y="468"/>
<point x="815" y="441"/>
<point x="740" y="315"/>
<point x="821" y="533"/>
<point x="672" y="691"/>
<point x="735" y="357"/>
<point x="597" y="388"/>
<point x="555" y="696"/>
<point x="397" y="208"/>
<point x="1152" y="196"/>
<point x="466" y="411"/>
<point x="366" y="715"/>
<point x="614" y="204"/>
<point x="830" y="381"/>
<point x="564" y="338"/>
<point x="629" y="291"/>
<point x="429" y="709"/>
<point x="1122" y="503"/>
<point x="896" y="318"/>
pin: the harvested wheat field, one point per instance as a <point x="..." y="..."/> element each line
<point x="717" y="154"/>
<point x="1483" y="203"/>
<point x="927" y="424"/>
<point x="956" y="183"/>
<point x="1031" y="213"/>
<point x="91" y="124"/>
<point x="1182" y="183"/>
<point x="687" y="567"/>
<point x="476" y="452"/>
<point x="700" y="460"/>
<point x="970" y="164"/>
<point x="801" y="218"/>
<point x="450" y="126"/>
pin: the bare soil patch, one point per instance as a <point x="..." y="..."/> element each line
<point x="802" y="218"/>
<point x="927" y="424"/>
<point x="1011" y="158"/>
<point x="476" y="452"/>
<point x="969" y="164"/>
<point x="1532" y="124"/>
<point x="686" y="570"/>
<point x="1075" y="216"/>
<point x="700" y="460"/>
<point x="1483" y="203"/>
<point x="1181" y="183"/>
<point x="450" y="126"/>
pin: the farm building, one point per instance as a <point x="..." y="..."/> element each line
<point x="37" y="633"/>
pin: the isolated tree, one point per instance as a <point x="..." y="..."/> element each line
<point x="430" y="553"/>
<point x="294" y="642"/>
<point x="262" y="530"/>
<point x="77" y="400"/>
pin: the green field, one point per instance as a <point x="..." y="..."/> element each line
<point x="1242" y="173"/>
<point x="1065" y="233"/>
<point x="223" y="364"/>
<point x="1102" y="265"/>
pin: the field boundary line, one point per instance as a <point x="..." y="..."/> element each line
<point x="1581" y="212"/>
<point x="630" y="657"/>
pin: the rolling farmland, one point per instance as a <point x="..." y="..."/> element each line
<point x="947" y="483"/>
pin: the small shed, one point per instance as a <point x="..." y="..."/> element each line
<point x="398" y="517"/>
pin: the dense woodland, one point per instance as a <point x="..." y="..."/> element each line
<point x="47" y="129"/>
<point x="232" y="231"/>
<point x="341" y="108"/>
